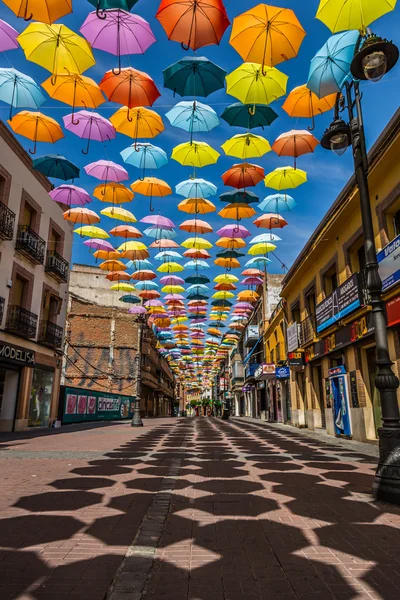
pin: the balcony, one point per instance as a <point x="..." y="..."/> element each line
<point x="50" y="334"/>
<point x="2" y="302"/>
<point x="30" y="244"/>
<point x="250" y="370"/>
<point x="251" y="335"/>
<point x="308" y="330"/>
<point x="21" y="322"/>
<point x="57" y="266"/>
<point x="7" y="222"/>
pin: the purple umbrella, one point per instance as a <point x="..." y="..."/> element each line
<point x="251" y="281"/>
<point x="8" y="37"/>
<point x="90" y="126"/>
<point x="174" y="297"/>
<point x="233" y="231"/>
<point x="172" y="280"/>
<point x="119" y="33"/>
<point x="244" y="305"/>
<point x="158" y="220"/>
<point x="153" y="303"/>
<point x="69" y="195"/>
<point x="137" y="310"/>
<point x="95" y="244"/>
<point x="106" y="170"/>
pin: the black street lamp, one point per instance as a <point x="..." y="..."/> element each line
<point x="372" y="59"/>
<point x="136" y="418"/>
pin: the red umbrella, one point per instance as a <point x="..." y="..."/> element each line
<point x="196" y="226"/>
<point x="130" y="88"/>
<point x="270" y="221"/>
<point x="194" y="253"/>
<point x="193" y="23"/>
<point x="243" y="175"/>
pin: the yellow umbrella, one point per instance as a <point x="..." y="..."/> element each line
<point x="197" y="242"/>
<point x="248" y="295"/>
<point x="261" y="248"/>
<point x="93" y="232"/>
<point x="56" y="48"/>
<point x="36" y="127"/>
<point x="196" y="154"/>
<point x="170" y="267"/>
<point x="284" y="178"/>
<point x="113" y="265"/>
<point x="46" y="11"/>
<point x="246" y="145"/>
<point x="342" y="15"/>
<point x="75" y="90"/>
<point x="226" y="278"/>
<point x="237" y="211"/>
<point x="173" y="289"/>
<point x="83" y="216"/>
<point x="223" y="295"/>
<point x="199" y="206"/>
<point x="252" y="84"/>
<point x="115" y="212"/>
<point x="231" y="243"/>
<point x="267" y="34"/>
<point x="113" y="193"/>
<point x="132" y="246"/>
<point x="123" y="287"/>
<point x="137" y="122"/>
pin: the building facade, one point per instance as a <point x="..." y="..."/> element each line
<point x="35" y="251"/>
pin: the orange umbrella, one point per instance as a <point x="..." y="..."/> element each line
<point x="248" y="296"/>
<point x="126" y="231"/>
<point x="130" y="88"/>
<point x="302" y="102"/>
<point x="243" y="175"/>
<point x="180" y="328"/>
<point x="151" y="186"/>
<point x="270" y="221"/>
<point x="135" y="254"/>
<point x="118" y="276"/>
<point x="144" y="275"/>
<point x="107" y="254"/>
<point x="197" y="253"/>
<point x="225" y="287"/>
<point x="195" y="23"/>
<point x="162" y="322"/>
<point x="196" y="226"/>
<point x="253" y="273"/>
<point x="227" y="263"/>
<point x="83" y="216"/>
<point x="163" y="243"/>
<point x="113" y="193"/>
<point x="230" y="243"/>
<point x="199" y="206"/>
<point x="149" y="294"/>
<point x="295" y="143"/>
<point x="237" y="211"/>
<point x="113" y="265"/>
<point x="267" y="35"/>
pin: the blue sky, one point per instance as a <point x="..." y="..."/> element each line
<point x="327" y="174"/>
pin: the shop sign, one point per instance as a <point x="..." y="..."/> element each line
<point x="260" y="385"/>
<point x="282" y="372"/>
<point x="16" y="354"/>
<point x="296" y="359"/>
<point x="389" y="263"/>
<point x="292" y="337"/>
<point x="393" y="311"/>
<point x="344" y="300"/>
<point x="86" y="405"/>
<point x="265" y="370"/>
<point x="341" y="370"/>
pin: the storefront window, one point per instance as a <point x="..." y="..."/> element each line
<point x="40" y="400"/>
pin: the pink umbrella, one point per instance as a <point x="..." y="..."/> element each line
<point x="69" y="195"/>
<point x="244" y="305"/>
<point x="174" y="297"/>
<point x="153" y="303"/>
<point x="233" y="231"/>
<point x="119" y="33"/>
<point x="251" y="281"/>
<point x="158" y="220"/>
<point x="106" y="170"/>
<point x="137" y="310"/>
<point x="172" y="280"/>
<point x="95" y="244"/>
<point x="90" y="126"/>
<point x="8" y="37"/>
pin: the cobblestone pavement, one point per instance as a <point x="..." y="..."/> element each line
<point x="193" y="509"/>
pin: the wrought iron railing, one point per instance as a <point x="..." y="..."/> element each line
<point x="308" y="330"/>
<point x="50" y="334"/>
<point x="277" y="308"/>
<point x="57" y="266"/>
<point x="7" y="222"/>
<point x="21" y="321"/>
<point x="30" y="244"/>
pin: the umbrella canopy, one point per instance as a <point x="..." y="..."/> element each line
<point x="302" y="102"/>
<point x="277" y="203"/>
<point x="227" y="242"/>
<point x="116" y="212"/>
<point x="113" y="193"/>
<point x="93" y="232"/>
<point x="284" y="178"/>
<point x="195" y="253"/>
<point x="113" y="265"/>
<point x="249" y="116"/>
<point x="151" y="186"/>
<point x="295" y="143"/>
<point x="170" y="267"/>
<point x="193" y="117"/>
<point x="243" y="175"/>
<point x="146" y="285"/>
<point x="197" y="279"/>
<point x="254" y="84"/>
<point x="129" y="87"/>
<point x="237" y="211"/>
<point x="143" y="275"/>
<point x="137" y="122"/>
<point x="136" y="265"/>
<point x="158" y="220"/>
<point x="240" y="196"/>
<point x="194" y="25"/>
<point x="262" y="248"/>
<point x="122" y="287"/>
<point x="106" y="170"/>
<point x="341" y="15"/>
<point x="196" y="226"/>
<point x="101" y="245"/>
<point x="197" y="242"/>
<point x="74" y="89"/>
<point x="196" y="188"/>
<point x="69" y="195"/>
<point x="171" y="280"/>
<point x="56" y="48"/>
<point x="37" y="127"/>
<point x="246" y="145"/>
<point x="265" y="237"/>
<point x="199" y="206"/>
<point x="227" y="263"/>
<point x="118" y="276"/>
<point x="83" y="216"/>
<point x="90" y="126"/>
<point x="330" y="67"/>
<point x="258" y="261"/>
<point x="126" y="231"/>
<point x="157" y="232"/>
<point x="137" y="310"/>
<point x="267" y="35"/>
<point x="46" y="11"/>
<point x="144" y="156"/>
<point x="198" y="265"/>
<point x="226" y="278"/>
<point x="194" y="76"/>
<point x="234" y="231"/>
<point x="19" y="90"/>
<point x="54" y="165"/>
<point x="196" y="154"/>
<point x="164" y="244"/>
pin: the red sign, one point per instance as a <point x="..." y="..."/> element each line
<point x="393" y="311"/>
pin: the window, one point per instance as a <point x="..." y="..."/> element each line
<point x="27" y="217"/>
<point x="54" y="241"/>
<point x="30" y="212"/>
<point x="51" y="306"/>
<point x="296" y="312"/>
<point x="396" y="223"/>
<point x="5" y="184"/>
<point x="20" y="291"/>
<point x="330" y="280"/>
<point x="310" y="302"/>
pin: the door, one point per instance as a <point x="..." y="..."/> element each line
<point x="341" y="414"/>
<point x="321" y="397"/>
<point x="374" y="394"/>
<point x="302" y="391"/>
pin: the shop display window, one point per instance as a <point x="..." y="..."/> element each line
<point x="40" y="399"/>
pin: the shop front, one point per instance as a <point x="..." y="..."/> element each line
<point x="282" y="376"/>
<point x="265" y="376"/>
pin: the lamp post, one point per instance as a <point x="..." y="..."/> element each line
<point x="136" y="418"/>
<point x="375" y="58"/>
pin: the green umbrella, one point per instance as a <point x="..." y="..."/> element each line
<point x="194" y="76"/>
<point x="129" y="299"/>
<point x="54" y="165"/>
<point x="229" y="254"/>
<point x="241" y="196"/>
<point x="241" y="115"/>
<point x="102" y="5"/>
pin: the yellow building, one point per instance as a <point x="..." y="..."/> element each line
<point x="330" y="341"/>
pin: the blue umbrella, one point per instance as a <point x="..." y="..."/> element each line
<point x="193" y="117"/>
<point x="330" y="67"/>
<point x="258" y="261"/>
<point x="196" y="188"/>
<point x="129" y="299"/>
<point x="198" y="288"/>
<point x="197" y="296"/>
<point x="265" y="237"/>
<point x="19" y="90"/>
<point x="138" y="265"/>
<point x="53" y="165"/>
<point x="146" y="285"/>
<point x="144" y="156"/>
<point x="277" y="203"/>
<point x="168" y="255"/>
<point x="160" y="233"/>
<point x="194" y="76"/>
<point x="196" y="264"/>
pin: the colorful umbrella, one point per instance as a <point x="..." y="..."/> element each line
<point x="227" y="263"/>
<point x="196" y="226"/>
<point x="83" y="216"/>
<point x="112" y="265"/>
<point x="194" y="24"/>
<point x="249" y="116"/>
<point x="243" y="175"/>
<point x="144" y="156"/>
<point x="75" y="90"/>
<point x="93" y="232"/>
<point x="240" y="196"/>
<point x="196" y="265"/>
<point x="129" y="87"/>
<point x="36" y="127"/>
<point x="193" y="117"/>
<point x="237" y="211"/>
<point x="116" y="212"/>
<point x="123" y="287"/>
<point x="246" y="145"/>
<point x="69" y="195"/>
<point x="106" y="170"/>
<point x="151" y="186"/>
<point x="143" y="275"/>
<point x="104" y="253"/>
<point x="262" y="248"/>
<point x="54" y="165"/>
<point x="46" y="11"/>
<point x="129" y="299"/>
<point x="56" y="48"/>
<point x="136" y="310"/>
<point x="158" y="220"/>
<point x="118" y="276"/>
<point x="196" y="188"/>
<point x="253" y="84"/>
<point x="19" y="90"/>
<point x="163" y="244"/>
<point x="341" y="15"/>
<point x="267" y="35"/>
<point x="196" y="206"/>
<point x="126" y="231"/>
<point x="196" y="154"/>
<point x="295" y="143"/>
<point x="159" y="233"/>
<point x="270" y="221"/>
<point x="265" y="237"/>
<point x="277" y="203"/>
<point x="89" y="126"/>
<point x="302" y="102"/>
<point x="170" y="267"/>
<point x="226" y="278"/>
<point x="194" y="76"/>
<point x="171" y="280"/>
<point x="195" y="253"/>
<point x="284" y="178"/>
<point x="8" y="37"/>
<point x="231" y="243"/>
<point x="137" y="122"/>
<point x="118" y="32"/>
<point x="197" y="242"/>
<point x="113" y="193"/>
<point x="330" y="67"/>
<point x="234" y="231"/>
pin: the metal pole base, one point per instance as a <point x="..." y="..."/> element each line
<point x="226" y="414"/>
<point x="386" y="487"/>
<point x="136" y="418"/>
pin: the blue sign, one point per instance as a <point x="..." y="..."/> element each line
<point x="341" y="370"/>
<point x="389" y="263"/>
<point x="344" y="300"/>
<point x="282" y="372"/>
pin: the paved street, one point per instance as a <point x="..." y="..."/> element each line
<point x="197" y="509"/>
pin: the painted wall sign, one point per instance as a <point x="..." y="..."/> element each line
<point x="292" y="337"/>
<point x="15" y="354"/>
<point x="344" y="300"/>
<point x="389" y="263"/>
<point x="282" y="372"/>
<point x="87" y="405"/>
<point x="265" y="370"/>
